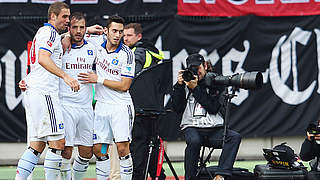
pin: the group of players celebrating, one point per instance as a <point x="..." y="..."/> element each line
<point x="58" y="97"/>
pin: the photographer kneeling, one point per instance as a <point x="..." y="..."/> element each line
<point x="310" y="148"/>
<point x="202" y="120"/>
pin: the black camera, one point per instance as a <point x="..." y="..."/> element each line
<point x="247" y="80"/>
<point x="189" y="73"/>
<point x="313" y="129"/>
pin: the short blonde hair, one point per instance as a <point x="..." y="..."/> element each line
<point x="56" y="8"/>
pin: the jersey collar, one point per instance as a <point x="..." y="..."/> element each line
<point x="118" y="48"/>
<point x="50" y="25"/>
<point x="74" y="46"/>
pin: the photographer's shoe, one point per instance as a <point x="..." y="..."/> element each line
<point x="218" y="177"/>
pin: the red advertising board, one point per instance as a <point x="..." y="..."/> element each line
<point x="247" y="7"/>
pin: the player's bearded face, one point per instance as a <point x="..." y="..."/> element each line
<point x="115" y="33"/>
<point x="62" y="20"/>
<point x="77" y="30"/>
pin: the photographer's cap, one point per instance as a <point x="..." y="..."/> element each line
<point x="194" y="60"/>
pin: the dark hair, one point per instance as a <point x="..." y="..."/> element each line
<point x="77" y="16"/>
<point x="116" y="19"/>
<point x="209" y="66"/>
<point x="136" y="26"/>
<point x="56" y="8"/>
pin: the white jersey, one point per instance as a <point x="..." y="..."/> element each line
<point x="39" y="79"/>
<point x="79" y="60"/>
<point x="112" y="66"/>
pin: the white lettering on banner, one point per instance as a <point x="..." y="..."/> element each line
<point x="294" y="1"/>
<point x="278" y="82"/>
<point x="236" y="56"/>
<point x="0" y="75"/>
<point x="10" y="93"/>
<point x="45" y="1"/>
<point x="285" y="50"/>
<point x="117" y="1"/>
<point x="283" y="61"/>
<point x="159" y="46"/>
<point x="152" y="1"/>
<point x="264" y="1"/>
<point x="238" y="2"/>
<point x="210" y="1"/>
<point x="241" y="2"/>
<point x="84" y="1"/>
<point x="13" y="1"/>
<point x="178" y="61"/>
<point x="191" y="1"/>
<point x="317" y="32"/>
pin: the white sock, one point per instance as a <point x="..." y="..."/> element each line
<point x="126" y="167"/>
<point x="52" y="165"/>
<point x="103" y="169"/>
<point x="80" y="166"/>
<point x="65" y="171"/>
<point x="26" y="164"/>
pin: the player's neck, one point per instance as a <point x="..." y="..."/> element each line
<point x="80" y="43"/>
<point x="111" y="47"/>
<point x="53" y="24"/>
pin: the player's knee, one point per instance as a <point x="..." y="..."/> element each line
<point x="123" y="151"/>
<point x="59" y="144"/>
<point x="97" y="151"/>
<point x="67" y="153"/>
<point x="86" y="154"/>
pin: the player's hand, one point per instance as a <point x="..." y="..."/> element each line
<point x="180" y="78"/>
<point x="89" y="77"/>
<point x="73" y="83"/>
<point x="95" y="29"/>
<point x="193" y="83"/>
<point x="66" y="43"/>
<point x="23" y="85"/>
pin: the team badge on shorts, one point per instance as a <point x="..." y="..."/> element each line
<point x="90" y="52"/>
<point x="61" y="126"/>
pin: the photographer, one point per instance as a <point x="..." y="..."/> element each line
<point x="202" y="121"/>
<point x="310" y="148"/>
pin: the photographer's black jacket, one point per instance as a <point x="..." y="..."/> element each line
<point x="309" y="150"/>
<point x="210" y="99"/>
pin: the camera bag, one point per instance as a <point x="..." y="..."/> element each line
<point x="266" y="172"/>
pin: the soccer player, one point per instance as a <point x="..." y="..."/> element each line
<point x="77" y="107"/>
<point x="43" y="112"/>
<point x="114" y="112"/>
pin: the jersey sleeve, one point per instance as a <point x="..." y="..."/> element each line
<point x="48" y="40"/>
<point x="128" y="67"/>
<point x="96" y="40"/>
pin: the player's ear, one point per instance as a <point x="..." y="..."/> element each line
<point x="53" y="16"/>
<point x="105" y="30"/>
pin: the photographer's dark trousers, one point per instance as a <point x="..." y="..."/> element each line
<point x="309" y="150"/>
<point x="139" y="148"/>
<point x="195" y="138"/>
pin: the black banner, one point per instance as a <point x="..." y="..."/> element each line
<point x="285" y="49"/>
<point x="92" y="8"/>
